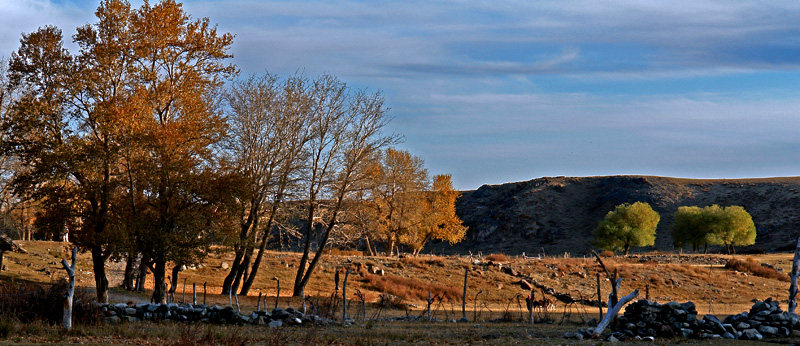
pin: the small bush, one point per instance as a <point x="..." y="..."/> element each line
<point x="497" y="257"/>
<point x="408" y="288"/>
<point x="750" y="266"/>
<point x="340" y="252"/>
<point x="606" y="254"/>
<point x="5" y="329"/>
<point x="30" y="302"/>
<point x="391" y="301"/>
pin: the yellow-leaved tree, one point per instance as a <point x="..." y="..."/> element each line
<point x="404" y="207"/>
<point x="438" y="219"/>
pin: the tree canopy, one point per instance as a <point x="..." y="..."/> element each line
<point x="626" y="226"/>
<point x="713" y="225"/>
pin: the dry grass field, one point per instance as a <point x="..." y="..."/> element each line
<point x="494" y="292"/>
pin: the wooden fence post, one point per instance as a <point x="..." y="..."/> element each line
<point x="344" y="295"/>
<point x="429" y="305"/>
<point x="278" y="295"/>
<point x="194" y="293"/>
<point x="70" y="288"/>
<point x="599" y="297"/>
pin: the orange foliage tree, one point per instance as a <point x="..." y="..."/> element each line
<point x="132" y="114"/>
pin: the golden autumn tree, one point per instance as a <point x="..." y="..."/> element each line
<point x="181" y="64"/>
<point x="397" y="180"/>
<point x="61" y="128"/>
<point x="437" y="216"/>
<point x="403" y="206"/>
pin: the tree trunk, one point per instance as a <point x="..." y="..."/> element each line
<point x="226" y="284"/>
<point x="241" y="270"/>
<point x="297" y="290"/>
<point x="159" y="275"/>
<point x="1" y="259"/>
<point x="100" y="279"/>
<point x="141" y="278"/>
<point x="262" y="248"/>
<point x="627" y="247"/>
<point x="369" y="247"/>
<point x="130" y="272"/>
<point x="175" y="270"/>
<point x="70" y="288"/>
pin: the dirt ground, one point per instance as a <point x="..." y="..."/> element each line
<point x="494" y="283"/>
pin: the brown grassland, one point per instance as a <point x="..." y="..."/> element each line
<point x="493" y="294"/>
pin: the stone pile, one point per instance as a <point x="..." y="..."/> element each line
<point x="647" y="320"/>
<point x="116" y="313"/>
<point x="765" y="319"/>
<point x="644" y="318"/>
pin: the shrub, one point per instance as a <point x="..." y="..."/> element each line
<point x="750" y="266"/>
<point x="31" y="302"/>
<point x="340" y="252"/>
<point x="497" y="257"/>
<point x="408" y="288"/>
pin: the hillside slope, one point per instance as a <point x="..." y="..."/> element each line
<point x="559" y="214"/>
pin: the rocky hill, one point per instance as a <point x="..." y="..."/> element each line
<point x="558" y="215"/>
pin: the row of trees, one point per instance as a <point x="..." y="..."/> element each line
<point x="138" y="148"/>
<point x="634" y="225"/>
<point x="713" y="225"/>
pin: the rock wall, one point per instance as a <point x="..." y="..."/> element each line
<point x="648" y="320"/>
<point x="116" y="313"/>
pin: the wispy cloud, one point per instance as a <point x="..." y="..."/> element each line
<point x="499" y="91"/>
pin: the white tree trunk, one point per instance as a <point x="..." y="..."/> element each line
<point x="70" y="288"/>
<point x="612" y="312"/>
<point x="793" y="285"/>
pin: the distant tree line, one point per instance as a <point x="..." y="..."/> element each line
<point x="634" y="225"/>
<point x="145" y="146"/>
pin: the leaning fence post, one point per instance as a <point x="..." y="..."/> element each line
<point x="70" y="288"/>
<point x="258" y="302"/>
<point x="183" y="299"/>
<point x="464" y="296"/>
<point x="204" y="293"/>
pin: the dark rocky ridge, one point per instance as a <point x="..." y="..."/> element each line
<point x="559" y="214"/>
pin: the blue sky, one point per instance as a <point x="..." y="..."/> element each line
<point x="494" y="92"/>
